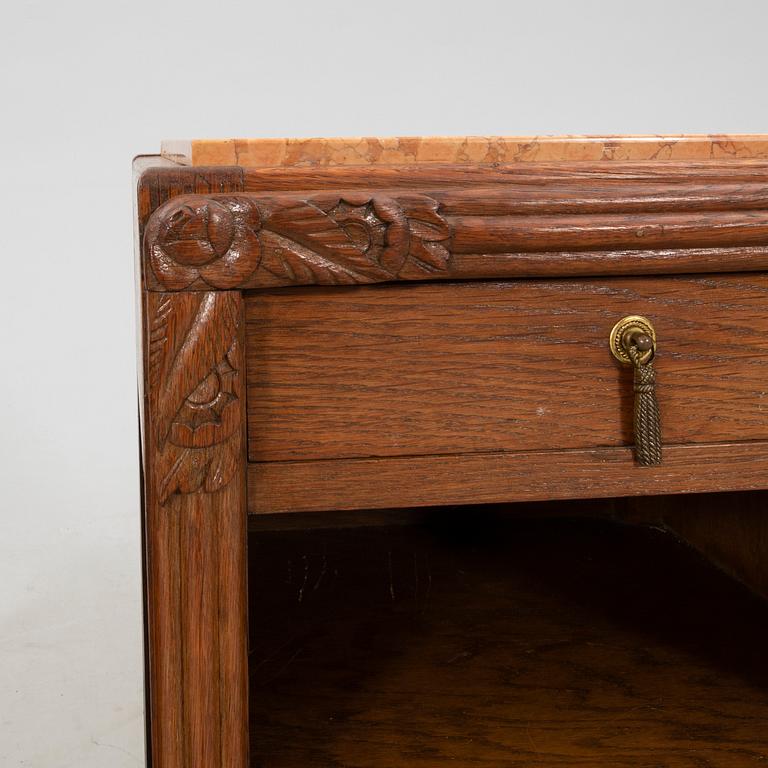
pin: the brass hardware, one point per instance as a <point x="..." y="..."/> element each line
<point x="633" y="342"/>
<point x="622" y="333"/>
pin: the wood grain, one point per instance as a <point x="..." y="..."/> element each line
<point x="547" y="233"/>
<point x="729" y="529"/>
<point x="529" y="645"/>
<point x="483" y="478"/>
<point x="710" y="221"/>
<point x="195" y="529"/>
<point x="351" y="373"/>
<point x="228" y="241"/>
<point x="442" y="176"/>
<point x="158" y="185"/>
<point x="452" y="368"/>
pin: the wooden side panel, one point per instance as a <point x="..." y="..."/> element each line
<point x="196" y="529"/>
<point x="729" y="529"/>
<point x="456" y="368"/>
<point x="481" y="478"/>
<point x="583" y="174"/>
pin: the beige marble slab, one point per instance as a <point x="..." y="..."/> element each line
<point x="266" y="153"/>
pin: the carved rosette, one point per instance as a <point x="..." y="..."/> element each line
<point x="228" y="241"/>
<point x="197" y="240"/>
<point x="194" y="391"/>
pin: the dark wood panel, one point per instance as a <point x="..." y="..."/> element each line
<point x="461" y="367"/>
<point x="729" y="529"/>
<point x="435" y="176"/>
<point x="194" y="456"/>
<point x="316" y="486"/>
<point x="613" y="508"/>
<point x="658" y="261"/>
<point x="710" y="218"/>
<point x="158" y="185"/>
<point x="574" y="196"/>
<point x="563" y="644"/>
<point x="607" y="231"/>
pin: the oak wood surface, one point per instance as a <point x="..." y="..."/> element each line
<point x="731" y="530"/>
<point x="195" y="529"/>
<point x="541" y="174"/>
<point x="159" y="184"/>
<point x="225" y="228"/>
<point x="453" y="368"/>
<point x="487" y="478"/>
<point x="355" y="226"/>
<point x="529" y="645"/>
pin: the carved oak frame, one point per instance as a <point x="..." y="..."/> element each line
<point x="208" y="234"/>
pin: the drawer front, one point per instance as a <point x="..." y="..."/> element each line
<point x="517" y="366"/>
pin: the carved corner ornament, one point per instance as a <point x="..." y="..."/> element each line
<point x="225" y="241"/>
<point x="195" y="390"/>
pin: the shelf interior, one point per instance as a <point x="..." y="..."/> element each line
<point x="468" y="641"/>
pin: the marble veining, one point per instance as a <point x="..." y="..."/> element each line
<point x="265" y="153"/>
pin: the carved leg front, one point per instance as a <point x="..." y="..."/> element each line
<point x="196" y="529"/>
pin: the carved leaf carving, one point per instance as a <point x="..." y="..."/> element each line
<point x="429" y="233"/>
<point x="187" y="470"/>
<point x="223" y="241"/>
<point x="288" y="262"/>
<point x="342" y="242"/>
<point x="194" y="362"/>
<point x="210" y="335"/>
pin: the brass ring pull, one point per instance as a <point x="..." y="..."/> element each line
<point x="633" y="342"/>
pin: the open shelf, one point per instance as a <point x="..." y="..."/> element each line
<point x="569" y="643"/>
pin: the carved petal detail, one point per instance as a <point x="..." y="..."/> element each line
<point x="195" y="391"/>
<point x="187" y="470"/>
<point x="227" y="241"/>
<point x="196" y="240"/>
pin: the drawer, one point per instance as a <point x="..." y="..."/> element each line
<point x="473" y="371"/>
<point x="499" y="366"/>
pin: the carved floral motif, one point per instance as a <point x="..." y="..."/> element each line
<point x="194" y="389"/>
<point x="197" y="239"/>
<point x="227" y="241"/>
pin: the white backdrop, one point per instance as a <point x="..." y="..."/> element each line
<point x="84" y="87"/>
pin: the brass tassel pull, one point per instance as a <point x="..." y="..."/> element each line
<point x="633" y="342"/>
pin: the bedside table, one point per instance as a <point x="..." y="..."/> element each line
<point x="362" y="324"/>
